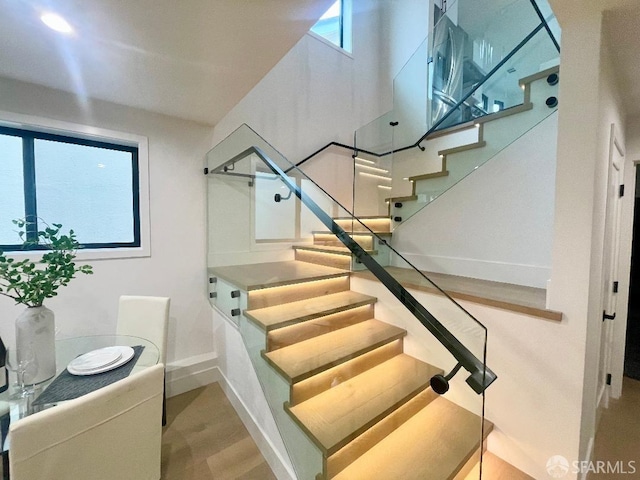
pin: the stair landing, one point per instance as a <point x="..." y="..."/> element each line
<point x="517" y="298"/>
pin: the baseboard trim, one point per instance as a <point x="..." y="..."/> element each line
<point x="281" y="468"/>
<point x="588" y="457"/>
<point x="191" y="373"/>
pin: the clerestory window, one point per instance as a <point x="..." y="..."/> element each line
<point x="335" y="25"/>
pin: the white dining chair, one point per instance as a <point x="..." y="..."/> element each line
<point x="146" y="317"/>
<point x="113" y="432"/>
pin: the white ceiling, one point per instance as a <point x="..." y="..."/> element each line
<point x="193" y="59"/>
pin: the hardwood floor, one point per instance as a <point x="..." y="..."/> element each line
<point x="205" y="439"/>
<point x="618" y="437"/>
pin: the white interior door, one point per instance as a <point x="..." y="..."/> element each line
<point x="610" y="267"/>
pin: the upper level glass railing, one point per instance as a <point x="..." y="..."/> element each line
<point x="258" y="214"/>
<point x="480" y="67"/>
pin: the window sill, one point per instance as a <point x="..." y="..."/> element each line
<point x="330" y="44"/>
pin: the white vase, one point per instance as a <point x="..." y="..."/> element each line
<point x="35" y="337"/>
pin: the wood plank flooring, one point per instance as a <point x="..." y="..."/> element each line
<point x="205" y="440"/>
<point x="618" y="435"/>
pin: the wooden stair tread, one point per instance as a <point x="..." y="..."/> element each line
<point x="407" y="198"/>
<point x="336" y="250"/>
<point x="263" y="275"/>
<point x="427" y="176"/>
<point x="304" y="359"/>
<point x="435" y="443"/>
<point x="494" y="468"/>
<point x="327" y="232"/>
<point x="335" y="417"/>
<point x="279" y="316"/>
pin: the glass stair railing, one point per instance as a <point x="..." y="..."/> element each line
<point x="351" y="362"/>
<point x="484" y="79"/>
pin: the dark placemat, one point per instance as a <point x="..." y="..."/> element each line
<point x="68" y="387"/>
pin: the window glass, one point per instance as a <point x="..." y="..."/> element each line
<point x="11" y="187"/>
<point x="87" y="188"/>
<point x="330" y="24"/>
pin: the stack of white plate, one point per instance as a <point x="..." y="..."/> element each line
<point x="101" y="360"/>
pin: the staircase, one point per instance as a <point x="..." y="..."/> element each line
<point x="363" y="403"/>
<point x="349" y="401"/>
<point x="328" y="250"/>
<point x="494" y="133"/>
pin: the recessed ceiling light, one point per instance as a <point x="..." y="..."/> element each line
<point x="56" y="22"/>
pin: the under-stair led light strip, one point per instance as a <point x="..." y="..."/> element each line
<point x="371" y="175"/>
<point x="385" y="187"/>
<point x="374" y="169"/>
<point x="364" y="160"/>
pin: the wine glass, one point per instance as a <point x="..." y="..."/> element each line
<point x="25" y="366"/>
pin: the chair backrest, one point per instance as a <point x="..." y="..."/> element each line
<point x="111" y="433"/>
<point x="146" y="317"/>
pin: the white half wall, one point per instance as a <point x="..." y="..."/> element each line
<point x="241" y="385"/>
<point x="176" y="267"/>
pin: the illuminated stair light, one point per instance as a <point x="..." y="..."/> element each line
<point x="364" y="160"/>
<point x="385" y="187"/>
<point x="375" y="169"/>
<point x="371" y="175"/>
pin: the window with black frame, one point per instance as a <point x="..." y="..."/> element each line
<point x="89" y="185"/>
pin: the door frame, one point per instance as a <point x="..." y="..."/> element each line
<point x="610" y="267"/>
<point x="624" y="268"/>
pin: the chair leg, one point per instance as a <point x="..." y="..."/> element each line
<point x="164" y="401"/>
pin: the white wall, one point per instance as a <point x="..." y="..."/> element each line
<point x="469" y="230"/>
<point x="581" y="180"/>
<point x="176" y="267"/>
<point x="317" y="94"/>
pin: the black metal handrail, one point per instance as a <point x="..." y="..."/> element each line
<point x="481" y="376"/>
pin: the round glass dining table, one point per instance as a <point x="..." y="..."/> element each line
<point x="14" y="406"/>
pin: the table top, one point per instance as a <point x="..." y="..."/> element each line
<point x="68" y="349"/>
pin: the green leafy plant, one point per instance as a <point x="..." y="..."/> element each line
<point x="30" y="282"/>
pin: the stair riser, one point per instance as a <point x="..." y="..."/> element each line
<point x="375" y="225"/>
<point x="268" y="297"/>
<point x="365" y="241"/>
<point x="311" y="387"/>
<point x="326" y="259"/>
<point x="286" y="336"/>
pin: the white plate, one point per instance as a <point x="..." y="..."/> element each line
<point x="96" y="359"/>
<point x="125" y="354"/>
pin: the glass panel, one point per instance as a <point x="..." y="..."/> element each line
<point x="89" y="189"/>
<point x="448" y="159"/>
<point x="469" y="41"/>
<point x="330" y="24"/>
<point x="442" y="334"/>
<point x="12" y="188"/>
<point x="410" y="99"/>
